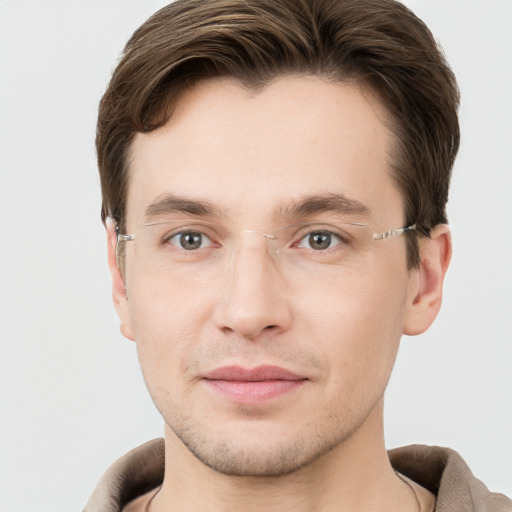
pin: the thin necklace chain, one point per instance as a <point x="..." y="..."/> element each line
<point x="148" y="504"/>
<point x="404" y="480"/>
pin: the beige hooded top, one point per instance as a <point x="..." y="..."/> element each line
<point x="440" y="470"/>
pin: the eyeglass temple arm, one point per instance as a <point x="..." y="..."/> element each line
<point x="393" y="232"/>
<point x="124" y="238"/>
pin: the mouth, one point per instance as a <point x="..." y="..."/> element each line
<point x="253" y="385"/>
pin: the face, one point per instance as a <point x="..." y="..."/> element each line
<point x="260" y="367"/>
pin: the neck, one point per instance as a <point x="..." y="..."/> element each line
<point x="356" y="475"/>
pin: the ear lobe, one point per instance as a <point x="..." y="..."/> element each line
<point x="426" y="289"/>
<point x="118" y="287"/>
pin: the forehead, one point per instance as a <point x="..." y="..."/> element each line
<point x="249" y="152"/>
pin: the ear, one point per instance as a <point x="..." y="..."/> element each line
<point x="426" y="284"/>
<point x="118" y="287"/>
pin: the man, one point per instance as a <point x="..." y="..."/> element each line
<point x="274" y="180"/>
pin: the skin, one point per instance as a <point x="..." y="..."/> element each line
<point x="322" y="444"/>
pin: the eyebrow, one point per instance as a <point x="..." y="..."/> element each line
<point x="329" y="203"/>
<point x="169" y="204"/>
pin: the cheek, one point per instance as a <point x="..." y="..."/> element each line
<point x="357" y="329"/>
<point x="167" y="319"/>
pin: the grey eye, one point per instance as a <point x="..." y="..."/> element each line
<point x="190" y="240"/>
<point x="320" y="240"/>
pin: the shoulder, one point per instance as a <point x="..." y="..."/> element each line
<point x="131" y="477"/>
<point x="444" y="472"/>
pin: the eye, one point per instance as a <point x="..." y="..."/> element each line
<point x="320" y="240"/>
<point x="190" y="240"/>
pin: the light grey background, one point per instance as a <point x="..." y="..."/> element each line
<point x="72" y="398"/>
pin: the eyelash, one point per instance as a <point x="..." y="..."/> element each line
<point x="183" y="232"/>
<point x="301" y="239"/>
<point x="334" y="238"/>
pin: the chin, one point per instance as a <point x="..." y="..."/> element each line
<point x="259" y="453"/>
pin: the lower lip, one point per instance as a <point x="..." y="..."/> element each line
<point x="254" y="392"/>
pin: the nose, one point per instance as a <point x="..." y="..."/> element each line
<point x="255" y="300"/>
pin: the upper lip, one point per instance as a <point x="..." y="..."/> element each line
<point x="257" y="374"/>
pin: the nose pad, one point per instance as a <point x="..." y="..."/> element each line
<point x="254" y="301"/>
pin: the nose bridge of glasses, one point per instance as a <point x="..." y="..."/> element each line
<point x="255" y="248"/>
<point x="253" y="258"/>
<point x="269" y="238"/>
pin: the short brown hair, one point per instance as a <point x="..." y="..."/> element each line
<point x="378" y="43"/>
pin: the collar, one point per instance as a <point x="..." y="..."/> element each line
<point x="440" y="470"/>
